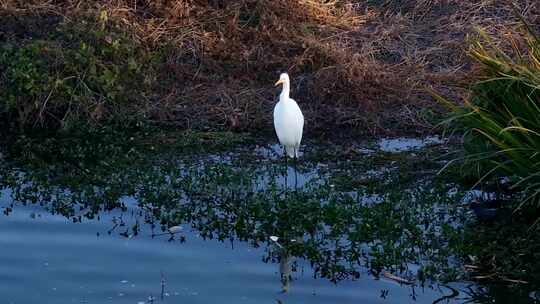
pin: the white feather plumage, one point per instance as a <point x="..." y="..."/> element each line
<point x="288" y="119"/>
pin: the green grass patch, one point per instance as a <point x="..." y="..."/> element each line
<point x="82" y="73"/>
<point x="501" y="119"/>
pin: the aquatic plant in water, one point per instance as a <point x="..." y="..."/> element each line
<point x="341" y="230"/>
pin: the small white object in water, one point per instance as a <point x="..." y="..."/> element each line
<point x="124" y="281"/>
<point x="275" y="239"/>
<point x="175" y="229"/>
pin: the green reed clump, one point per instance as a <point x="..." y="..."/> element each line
<point x="501" y="119"/>
<point x="86" y="71"/>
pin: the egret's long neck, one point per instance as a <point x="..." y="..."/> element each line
<point x="285" y="91"/>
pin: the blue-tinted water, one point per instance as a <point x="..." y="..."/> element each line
<point x="47" y="259"/>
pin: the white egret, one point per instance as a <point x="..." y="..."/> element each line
<point x="288" y="119"/>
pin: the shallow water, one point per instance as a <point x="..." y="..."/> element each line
<point x="111" y="256"/>
<point x="402" y="144"/>
<point x="51" y="260"/>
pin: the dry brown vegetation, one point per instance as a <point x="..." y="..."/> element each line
<point x="359" y="65"/>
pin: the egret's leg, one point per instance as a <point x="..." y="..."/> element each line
<point x="295" y="160"/>
<point x="286" y="169"/>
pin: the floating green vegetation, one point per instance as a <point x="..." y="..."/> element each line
<point x="377" y="213"/>
<point x="343" y="229"/>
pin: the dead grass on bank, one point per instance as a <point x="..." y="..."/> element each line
<point x="359" y="65"/>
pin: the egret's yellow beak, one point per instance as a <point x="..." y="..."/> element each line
<point x="278" y="82"/>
